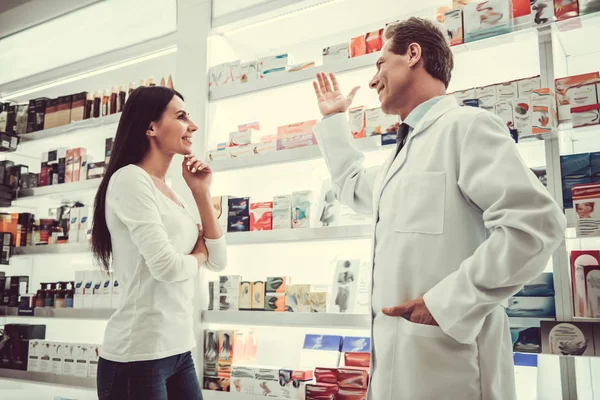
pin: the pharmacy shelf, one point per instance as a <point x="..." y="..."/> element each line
<point x="287" y="156"/>
<point x="300" y="235"/>
<point x="523" y="321"/>
<point x="61" y="313"/>
<point x="9" y="311"/>
<point x="62" y="189"/>
<point x="584" y="133"/>
<point x="289" y="78"/>
<point x="287" y="319"/>
<point x="75" y="126"/>
<point x="574" y="34"/>
<point x="66" y="248"/>
<point x="43" y="377"/>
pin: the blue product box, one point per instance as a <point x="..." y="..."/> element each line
<point x="595" y="166"/>
<point x="356" y="345"/>
<point x="322" y="342"/>
<point x="525" y="360"/>
<point x="575" y="170"/>
<point x="389" y="138"/>
<point x="531" y="307"/>
<point x="541" y="286"/>
<point x="526" y="339"/>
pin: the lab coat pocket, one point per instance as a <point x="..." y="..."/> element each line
<point x="421" y="200"/>
<point x="432" y="365"/>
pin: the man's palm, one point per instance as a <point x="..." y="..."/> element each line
<point x="330" y="98"/>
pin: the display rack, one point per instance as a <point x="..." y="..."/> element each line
<point x="61" y="189"/>
<point x="42" y="377"/>
<point x="287" y="319"/>
<point x="72" y="127"/>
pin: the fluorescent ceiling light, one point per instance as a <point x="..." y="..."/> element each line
<point x="73" y="78"/>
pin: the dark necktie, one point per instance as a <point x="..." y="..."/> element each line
<point x="402" y="134"/>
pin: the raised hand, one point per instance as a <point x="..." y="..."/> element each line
<point x="196" y="173"/>
<point x="330" y="98"/>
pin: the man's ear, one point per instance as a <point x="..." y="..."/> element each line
<point x="414" y="52"/>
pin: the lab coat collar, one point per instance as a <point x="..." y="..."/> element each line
<point x="393" y="165"/>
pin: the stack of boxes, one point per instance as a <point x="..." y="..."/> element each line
<point x="12" y="288"/>
<point x="535" y="300"/>
<point x="16" y="344"/>
<point x="585" y="272"/>
<point x="578" y="169"/>
<point x="578" y="99"/>
<point x="69" y="359"/>
<point x="238" y="214"/>
<point x="96" y="289"/>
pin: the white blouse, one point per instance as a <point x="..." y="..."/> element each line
<point x="152" y="238"/>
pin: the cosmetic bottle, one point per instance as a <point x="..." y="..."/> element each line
<point x="114" y="102"/>
<point x="40" y="297"/>
<point x="151" y="81"/>
<point x="59" y="299"/>
<point x="49" y="299"/>
<point x="89" y="106"/>
<point x="131" y="89"/>
<point x="69" y="298"/>
<point x="162" y="81"/>
<point x="97" y="104"/>
<point x="106" y="103"/>
<point x="122" y="98"/>
<point x="143" y="82"/>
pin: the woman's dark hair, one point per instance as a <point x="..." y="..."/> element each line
<point x="145" y="105"/>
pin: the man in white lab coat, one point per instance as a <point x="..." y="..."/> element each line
<point x="461" y="224"/>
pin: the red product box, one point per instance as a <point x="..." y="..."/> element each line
<point x="321" y="391"/>
<point x="362" y="360"/>
<point x="300" y="375"/>
<point x="582" y="263"/>
<point x="521" y="8"/>
<point x="374" y="41"/>
<point x="353" y="378"/>
<point x="326" y="375"/>
<point x="261" y="216"/>
<point x="358" y="46"/>
<point x="565" y="9"/>
<point x="351" y="394"/>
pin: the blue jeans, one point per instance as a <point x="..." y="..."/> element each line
<point x="170" y="378"/>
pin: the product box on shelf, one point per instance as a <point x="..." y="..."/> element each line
<point x="301" y="66"/>
<point x="261" y="216"/>
<point x="543" y="116"/>
<point x="56" y="358"/>
<point x="543" y="285"/>
<point x="277" y="284"/>
<point x="98" y="296"/>
<point x="292" y="302"/>
<point x="268" y="66"/>
<point x="226" y="349"/>
<point x="229" y="284"/>
<point x="45" y="360"/>
<point x="238" y="206"/>
<point x="567" y="338"/>
<point x="36" y="114"/>
<point x="356" y="352"/>
<point x="108" y="145"/>
<point x="276" y="302"/>
<point x="566" y="9"/>
<point x="526" y="339"/>
<point x="453" y="25"/>
<point x="88" y="291"/>
<point x="595" y="166"/>
<point x="505" y="110"/>
<point x="243" y="378"/>
<point x="377" y="123"/>
<point x="301" y="208"/>
<point x="586" y="201"/>
<point x="95" y="170"/>
<point x="258" y="295"/>
<point x="585" y="268"/>
<point x="211" y="352"/>
<point x="356" y="118"/>
<point x="543" y="11"/>
<point x="326" y="375"/>
<point x="93" y="354"/>
<point x="575" y="170"/>
<point x="487" y="97"/>
<point x="51" y="114"/>
<point x="213" y="296"/>
<point x="234" y="73"/>
<point x="245" y="296"/>
<point x="577" y="90"/>
<point x="282" y="212"/>
<point x="478" y="24"/>
<point x="82" y="362"/>
<point x="68" y="356"/>
<point x="322" y="391"/>
<point x="507" y="91"/>
<point x="215" y="155"/>
<point x="266" y="381"/>
<point x="296" y="135"/>
<point x="533" y="307"/>
<point x="240" y="151"/>
<point x="585" y="115"/>
<point x="374" y="41"/>
<point x="264" y="147"/>
<point x="242" y="138"/>
<point x="358" y="46"/>
<point x="318" y="302"/>
<point x="462" y="95"/>
<point x="216" y="384"/>
<point x="216" y="76"/>
<point x="526" y="86"/>
<point x="229" y="302"/>
<point x="238" y="223"/>
<point x="63" y="110"/>
<point x="79" y="289"/>
<point x="320" y="351"/>
<point x="353" y="378"/>
<point x="78" y="107"/>
<point x="22" y="117"/>
<point x="336" y="53"/>
<point x="345" y="286"/>
<point x="249" y="72"/>
<point x="33" y="358"/>
<point x="523" y="118"/>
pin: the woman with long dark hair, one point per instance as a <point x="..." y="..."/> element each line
<point x="147" y="233"/>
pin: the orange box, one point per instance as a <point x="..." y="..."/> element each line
<point x="564" y="85"/>
<point x="374" y="41"/>
<point x="261" y="216"/>
<point x="544" y="117"/>
<point x="10" y="223"/>
<point x="358" y="46"/>
<point x="356" y="117"/>
<point x="565" y="9"/>
<point x="79" y="154"/>
<point x="226" y="353"/>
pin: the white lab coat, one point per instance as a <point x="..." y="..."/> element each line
<point x="461" y="221"/>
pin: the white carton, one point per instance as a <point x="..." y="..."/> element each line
<point x="487" y="96"/>
<point x="45" y="360"/>
<point x="56" y="358"/>
<point x="33" y="358"/>
<point x="301" y="209"/>
<point x="81" y="360"/>
<point x="242" y="378"/>
<point x="74" y="226"/>
<point x="528" y="85"/>
<point x="240" y="138"/>
<point x="336" y="53"/>
<point x="266" y="382"/>
<point x="522" y="115"/>
<point x="98" y="297"/>
<point x="249" y="72"/>
<point x="93" y="354"/>
<point x="505" y="110"/>
<point x="507" y="91"/>
<point x="68" y="356"/>
<point x="88" y="294"/>
<point x="462" y="95"/>
<point x="272" y="65"/>
<point x="282" y="212"/>
<point x="85" y="224"/>
<point x="79" y="289"/>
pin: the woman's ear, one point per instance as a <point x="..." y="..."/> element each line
<point x="151" y="131"/>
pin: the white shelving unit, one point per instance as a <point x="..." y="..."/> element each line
<point x="72" y="127"/>
<point x="287" y="319"/>
<point x="66" y="248"/>
<point x="61" y="189"/>
<point x="42" y="377"/>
